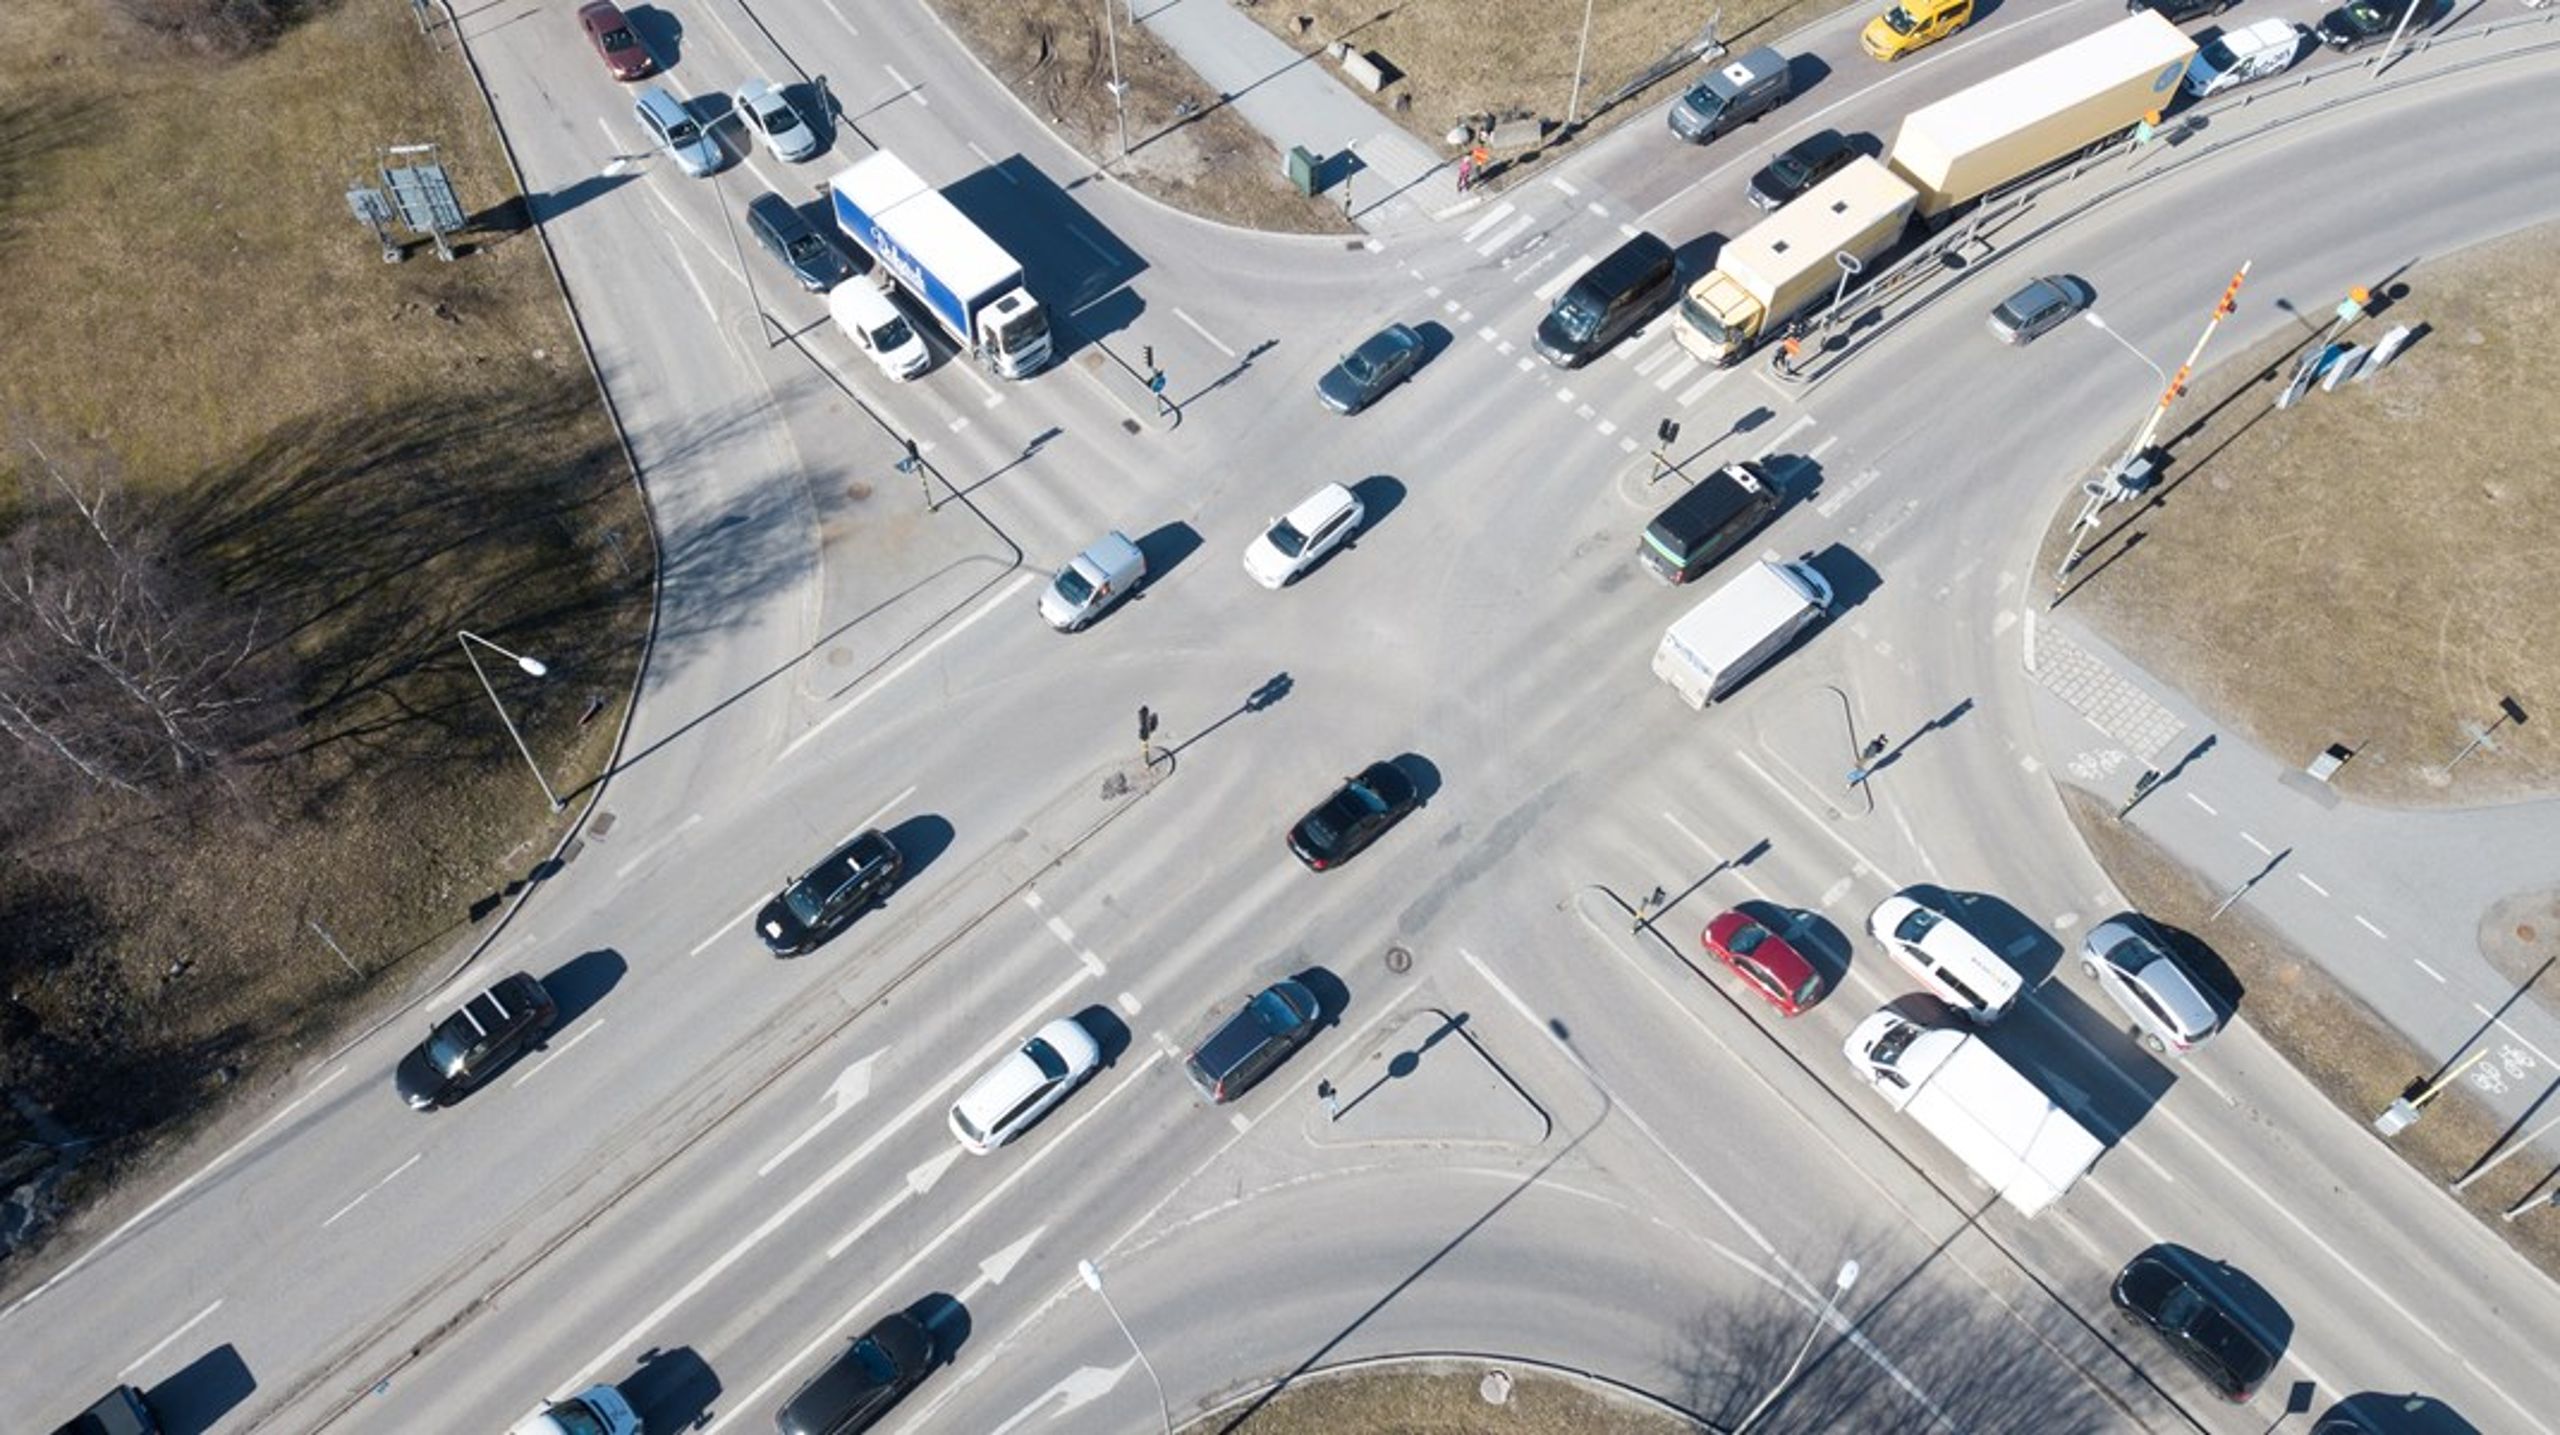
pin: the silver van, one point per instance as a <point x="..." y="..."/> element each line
<point x="674" y="130"/>
<point x="1092" y="582"/>
<point x="1734" y="93"/>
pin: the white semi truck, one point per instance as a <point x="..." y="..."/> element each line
<point x="1980" y="1107"/>
<point x="1738" y="627"/>
<point x="970" y="285"/>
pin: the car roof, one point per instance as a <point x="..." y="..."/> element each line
<point x="1017" y="1076"/>
<point x="777" y="211"/>
<point x="2260" y="35"/>
<point x="601" y="14"/>
<point x="1709" y="504"/>
<point x="1320" y="505"/>
<point x="1821" y="144"/>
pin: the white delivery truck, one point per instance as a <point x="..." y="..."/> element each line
<point x="1977" y="1105"/>
<point x="1738" y="627"/>
<point x="964" y="279"/>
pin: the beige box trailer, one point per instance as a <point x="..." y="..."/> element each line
<point x="1784" y="265"/>
<point x="2020" y="120"/>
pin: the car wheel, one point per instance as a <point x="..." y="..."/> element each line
<point x="2158" y="1047"/>
<point x="2089" y="968"/>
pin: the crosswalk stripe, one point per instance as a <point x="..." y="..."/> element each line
<point x="1492" y="217"/>
<point x="1677" y="371"/>
<point x="1505" y="235"/>
<point x="1555" y="286"/>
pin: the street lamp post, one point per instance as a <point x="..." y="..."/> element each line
<point x="533" y="668"/>
<point x="1093" y="1282"/>
<point x="2103" y="327"/>
<point x="1119" y="91"/>
<point x="1839" y="1287"/>
<point x="1573" y="107"/>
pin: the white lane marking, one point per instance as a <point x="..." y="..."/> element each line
<point x="883" y="810"/>
<point x="369" y="1190"/>
<point x="585" y="1029"/>
<point x="1606" y="428"/>
<point x="1799" y="426"/>
<point x="1658" y="358"/>
<point x="782" y="1215"/>
<point x="725" y="928"/>
<point x="1690" y="395"/>
<point x="1022" y="1170"/>
<point x="1505" y="235"/>
<point x="173" y="1193"/>
<point x="1558" y="181"/>
<point x="918" y="656"/>
<point x="1627" y="445"/>
<point x="1793" y="801"/>
<point x="1619" y="1107"/>
<point x="2200" y="802"/>
<point x="2314" y="886"/>
<point x="1489" y="334"/>
<point x="140" y="1360"/>
<point x="1241" y="1122"/>
<point x="1492" y="217"/>
<point x="1564" y="396"/>
<point x="901" y="82"/>
<point x="1031" y="899"/>
<point x="989" y="161"/>
<point x="654" y="848"/>
<point x="1549" y="290"/>
<point x="993" y="1270"/>
<point x="1203" y="333"/>
<point x="1832" y="505"/>
<point x="2430" y="971"/>
<point x="920" y="1180"/>
<point x="847" y="23"/>
<point x="2263" y="849"/>
<point x="2370" y="927"/>
<point x="842" y="1095"/>
<point x="1129" y="1004"/>
<point x="1678" y="371"/>
<point x="1598" y="210"/>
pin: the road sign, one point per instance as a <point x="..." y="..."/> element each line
<point x="1155" y="382"/>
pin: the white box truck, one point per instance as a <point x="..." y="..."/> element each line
<point x="1738" y="627"/>
<point x="964" y="279"/>
<point x="1977" y="1105"/>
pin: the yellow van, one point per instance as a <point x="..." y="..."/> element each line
<point x="1914" y="23"/>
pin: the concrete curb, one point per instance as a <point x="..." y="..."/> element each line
<point x="1414" y="1361"/>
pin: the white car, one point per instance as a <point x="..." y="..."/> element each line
<point x="769" y="113"/>
<point x="1954" y="964"/>
<point x="596" y="1410"/>
<point x="2251" y="52"/>
<point x="1025" y="1084"/>
<point x="1298" y="539"/>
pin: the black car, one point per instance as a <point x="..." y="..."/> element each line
<point x="1383" y="360"/>
<point x="2368" y="22"/>
<point x="1242" y="1049"/>
<point x="1804" y="164"/>
<point x="1354" y="816"/>
<point x="787" y="235"/>
<point x="2179" y="10"/>
<point x="873" y="1374"/>
<point x="2191" y="1320"/>
<point x="821" y="901"/>
<point x="464" y="1048"/>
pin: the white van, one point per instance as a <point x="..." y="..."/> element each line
<point x="872" y="321"/>
<point x="1950" y="961"/>
<point x="1093" y="581"/>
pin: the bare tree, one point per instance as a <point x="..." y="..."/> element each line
<point x="111" y="663"/>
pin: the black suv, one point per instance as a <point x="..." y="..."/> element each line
<point x="1245" y="1047"/>
<point x="2190" y="1319"/>
<point x="821" y="901"/>
<point x="1804" y="164"/>
<point x="2368" y="22"/>
<point x="1352" y="818"/>
<point x="852" y="1394"/>
<point x="1708" y="522"/>
<point x="466" y="1047"/>
<point x="787" y="235"/>
<point x="2179" y="10"/>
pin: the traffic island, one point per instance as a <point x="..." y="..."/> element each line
<point x="1814" y="745"/>
<point x="1448" y="1395"/>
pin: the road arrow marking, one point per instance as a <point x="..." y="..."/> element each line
<point x="1088" y="1384"/>
<point x="995" y="1268"/>
<point x="843" y="1094"/>
<point x="921" y="1179"/>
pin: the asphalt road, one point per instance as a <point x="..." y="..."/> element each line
<point x="726" y="1164"/>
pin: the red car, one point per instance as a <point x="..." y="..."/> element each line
<point x="1764" y="961"/>
<point x="615" y="40"/>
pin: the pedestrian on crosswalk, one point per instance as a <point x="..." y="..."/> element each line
<point x="1466" y="173"/>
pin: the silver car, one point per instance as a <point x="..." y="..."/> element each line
<point x="2127" y="959"/>
<point x="770" y="113"/>
<point x="2045" y="302"/>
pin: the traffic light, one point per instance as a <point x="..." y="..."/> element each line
<point x="1146" y="722"/>
<point x="1147" y="357"/>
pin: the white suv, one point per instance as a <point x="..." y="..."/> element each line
<point x="1024" y="1085"/>
<point x="596" y="1410"/>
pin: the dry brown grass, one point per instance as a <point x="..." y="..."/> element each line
<point x="369" y="457"/>
<point x="2371" y="566"/>
<point x="1444" y="1400"/>
<point x="1185" y="148"/>
<point x="2337" y="1043"/>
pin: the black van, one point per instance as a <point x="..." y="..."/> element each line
<point x="1708" y="522"/>
<point x="1635" y="282"/>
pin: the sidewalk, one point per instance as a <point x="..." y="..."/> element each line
<point x="2392" y="904"/>
<point x="1299" y="99"/>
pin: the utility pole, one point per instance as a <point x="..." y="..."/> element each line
<point x="1573" y="108"/>
<point x="1119" y="91"/>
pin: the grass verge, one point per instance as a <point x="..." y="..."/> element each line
<point x="1446" y="1398"/>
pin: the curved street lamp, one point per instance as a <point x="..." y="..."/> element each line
<point x="1093" y="1282"/>
<point x="532" y="668"/>
<point x="1839" y="1287"/>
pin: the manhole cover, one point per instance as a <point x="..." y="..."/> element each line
<point x="1399" y="960"/>
<point x="857" y="491"/>
<point x="1129" y="425"/>
<point x="601" y="824"/>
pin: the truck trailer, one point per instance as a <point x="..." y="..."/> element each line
<point x="1786" y="264"/>
<point x="1977" y="1105"/>
<point x="1738" y="627"/>
<point x="2025" y="118"/>
<point x="968" y="283"/>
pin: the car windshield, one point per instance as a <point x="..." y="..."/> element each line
<point x="1899" y="21"/>
<point x="1790" y="172"/>
<point x="1704" y="320"/>
<point x="1807" y="990"/>
<point x="1577" y="317"/>
<point x="892" y="336"/>
<point x="1915" y="927"/>
<point x="1274" y="1012"/>
<point x="2217" y="56"/>
<point x="875" y="1361"/>
<point x="1044" y="1056"/>
<point x="683" y="131"/>
<point x="445" y="1047"/>
<point x="808" y="246"/>
<point x="1285" y="536"/>
<point x="574" y="1418"/>
<point x="780" y="119"/>
<point x="1890" y="1046"/>
<point x="2365" y="17"/>
<point x="1073" y="587"/>
<point x="1357" y="368"/>
<point x="1020" y="332"/>
<point x="619" y="40"/>
<point x="1748" y="939"/>
<point x="805" y="901"/>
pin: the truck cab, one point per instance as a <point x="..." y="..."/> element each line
<point x="1914" y="23"/>
<point x="1013" y="332"/>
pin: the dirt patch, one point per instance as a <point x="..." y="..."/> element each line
<point x="2371" y="566"/>
<point x="2337" y="1043"/>
<point x="367" y="459"/>
<point x="1516" y="57"/>
<point x="1183" y="146"/>
<point x="1447" y="1398"/>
